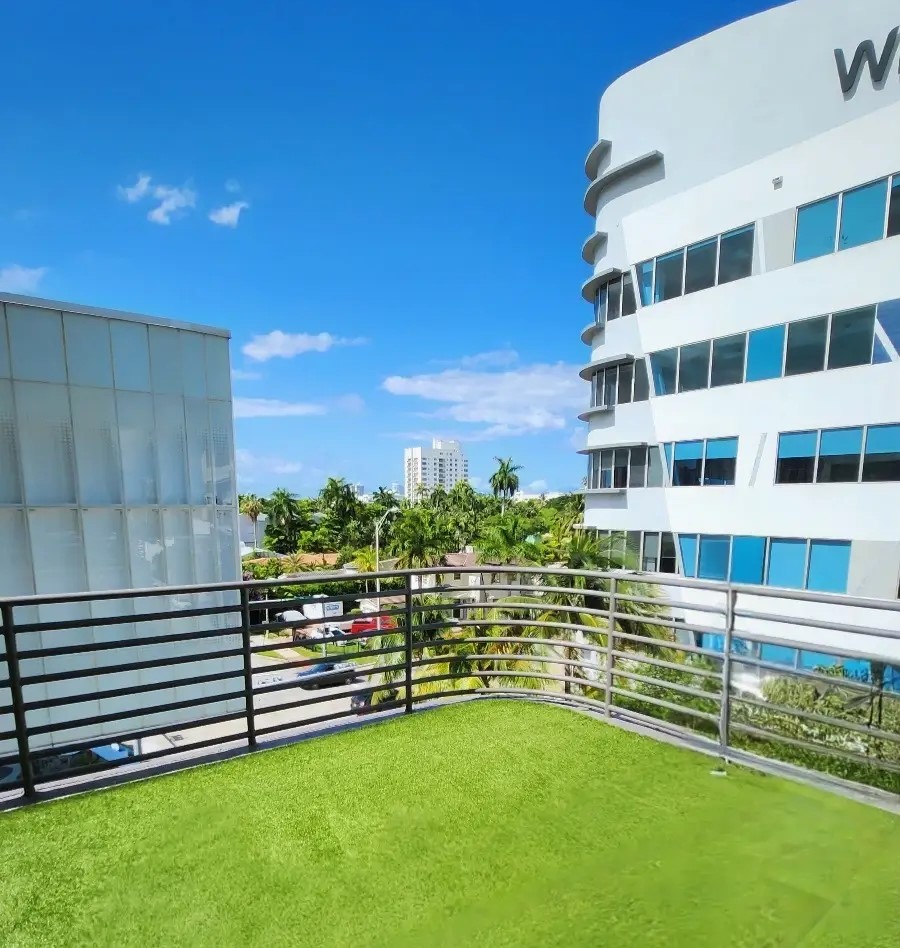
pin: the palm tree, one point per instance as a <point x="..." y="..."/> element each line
<point x="252" y="506"/>
<point x="384" y="497"/>
<point x="364" y="560"/>
<point x="505" y="543"/>
<point x="505" y="481"/>
<point x="285" y="521"/>
<point x="419" y="538"/>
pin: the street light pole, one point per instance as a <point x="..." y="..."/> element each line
<point x="378" y="525"/>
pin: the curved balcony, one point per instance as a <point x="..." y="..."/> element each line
<point x="589" y="287"/>
<point x="595" y="156"/>
<point x="592" y="412"/>
<point x="625" y="170"/>
<point x="589" y="250"/>
<point x="668" y="657"/>
<point x="592" y="367"/>
<point x="592" y="329"/>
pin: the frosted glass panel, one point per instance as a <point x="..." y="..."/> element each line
<point x="171" y="448"/>
<point x="218" y="370"/>
<point x="199" y="451"/>
<point x="104" y="544"/>
<point x="36" y="343"/>
<point x="96" y="446"/>
<point x="223" y="454"/>
<point x="205" y="552"/>
<point x="228" y="554"/>
<point x="137" y="436"/>
<point x="46" y="443"/>
<point x="15" y="560"/>
<point x="4" y="347"/>
<point x="10" y="487"/>
<point x="147" y="554"/>
<point x="88" y="354"/>
<point x="165" y="360"/>
<point x="131" y="355"/>
<point x="193" y="364"/>
<point x="57" y="552"/>
<point x="179" y="547"/>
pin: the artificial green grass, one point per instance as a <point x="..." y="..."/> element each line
<point x="497" y="823"/>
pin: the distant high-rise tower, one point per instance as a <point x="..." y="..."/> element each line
<point x="443" y="464"/>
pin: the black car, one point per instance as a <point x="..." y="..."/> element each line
<point x="327" y="675"/>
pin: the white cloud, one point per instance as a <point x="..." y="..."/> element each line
<point x="232" y="186"/>
<point x="171" y="201"/>
<point x="520" y="401"/>
<point x="250" y="464"/>
<point x="275" y="408"/>
<point x="537" y="486"/>
<point x="138" y="190"/>
<point x="495" y="359"/>
<point x="286" y="345"/>
<point x="15" y="278"/>
<point x="242" y="375"/>
<point x="229" y="214"/>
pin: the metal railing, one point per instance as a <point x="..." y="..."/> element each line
<point x="94" y="681"/>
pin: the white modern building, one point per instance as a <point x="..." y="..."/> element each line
<point x="116" y="472"/>
<point x="441" y="465"/>
<point x="744" y="369"/>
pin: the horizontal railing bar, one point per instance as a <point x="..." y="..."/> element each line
<point x="823" y="625"/>
<point x="58" y="650"/>
<point x="675" y="666"/>
<point x="662" y="724"/>
<point x="762" y="734"/>
<point x="807" y="646"/>
<point x="680" y="709"/>
<point x="143" y="712"/>
<point x="345" y="638"/>
<point x="295" y="683"/>
<point x="91" y="623"/>
<point x="323" y="697"/>
<point x="484" y="673"/>
<point x="138" y="735"/>
<point x="318" y="660"/>
<point x="668" y="644"/>
<point x="673" y="604"/>
<point x="287" y="602"/>
<point x="834" y="681"/>
<point x="510" y="657"/>
<point x="509" y="639"/>
<point x="714" y="696"/>
<point x="320" y="719"/>
<point x="144" y="688"/>
<point x="664" y="623"/>
<point x="817" y="718"/>
<point x="146" y="664"/>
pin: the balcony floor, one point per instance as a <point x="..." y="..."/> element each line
<point x="486" y="823"/>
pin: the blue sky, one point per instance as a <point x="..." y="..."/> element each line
<point x="382" y="202"/>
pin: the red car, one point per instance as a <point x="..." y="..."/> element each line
<point x="370" y="626"/>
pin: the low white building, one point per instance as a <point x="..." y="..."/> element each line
<point x="441" y="465"/>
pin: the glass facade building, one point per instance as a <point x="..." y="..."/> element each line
<point x="116" y="468"/>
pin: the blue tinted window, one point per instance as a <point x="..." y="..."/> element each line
<point x="818" y="660"/>
<point x="889" y="321"/>
<point x="736" y="254"/>
<point x="796" y="457"/>
<point x="816" y="226"/>
<point x="664" y="367"/>
<point x="839" y="453"/>
<point x="688" y="463"/>
<point x="765" y="352"/>
<point x="862" y="215"/>
<point x="714" y="557"/>
<point x="787" y="563"/>
<point x="600" y="303"/>
<point x="882" y="460"/>
<point x="645" y="281"/>
<point x="669" y="276"/>
<point x="778" y="654"/>
<point x="721" y="461"/>
<point x="748" y="555"/>
<point x="829" y="564"/>
<point x="693" y="369"/>
<point x="806" y="346"/>
<point x="893" y="227"/>
<point x="667" y="447"/>
<point x="851" y="338"/>
<point x="687" y="545"/>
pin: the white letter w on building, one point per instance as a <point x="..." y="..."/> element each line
<point x="865" y="52"/>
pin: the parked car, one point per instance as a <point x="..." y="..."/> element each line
<point x="366" y="626"/>
<point x="362" y="703"/>
<point x="327" y="675"/>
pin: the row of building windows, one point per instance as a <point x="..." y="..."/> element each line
<point x="849" y="219"/>
<point x="785" y="562"/>
<point x="701" y="463"/>
<point x="615" y="299"/>
<point x="620" y="384"/>
<point x="617" y="468"/>
<point x="721" y="259"/>
<point x="834" y="341"/>
<point x="836" y="455"/>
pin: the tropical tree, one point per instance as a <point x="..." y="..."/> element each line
<point x="252" y="506"/>
<point x="463" y="513"/>
<point x="505" y="543"/>
<point x="505" y="481"/>
<point x="383" y="497"/>
<point x="420" y="538"/>
<point x="286" y="521"/>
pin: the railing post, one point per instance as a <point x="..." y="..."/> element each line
<point x="725" y="705"/>
<point x="248" y="666"/>
<point x="18" y="698"/>
<point x="610" y="636"/>
<point x="408" y="641"/>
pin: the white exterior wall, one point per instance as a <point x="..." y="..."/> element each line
<point x="732" y="112"/>
<point x="443" y="464"/>
<point x="116" y="472"/>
